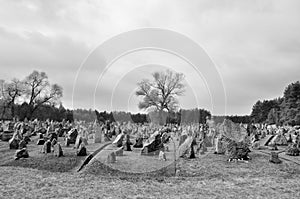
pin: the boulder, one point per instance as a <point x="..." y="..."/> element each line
<point x="118" y="142"/>
<point x="292" y="150"/>
<point x="21" y="153"/>
<point x="13" y="143"/>
<point x="40" y="142"/>
<point x="138" y="143"/>
<point x="81" y="151"/>
<point x="274" y="158"/>
<point x="47" y="147"/>
<point x="187" y="148"/>
<point x="58" y="152"/>
<point x="153" y="145"/>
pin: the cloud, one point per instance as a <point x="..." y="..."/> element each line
<point x="254" y="43"/>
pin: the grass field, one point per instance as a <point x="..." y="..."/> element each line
<point x="210" y="176"/>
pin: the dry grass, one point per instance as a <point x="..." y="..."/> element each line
<point x="208" y="177"/>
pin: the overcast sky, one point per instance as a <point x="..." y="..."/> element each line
<point x="255" y="46"/>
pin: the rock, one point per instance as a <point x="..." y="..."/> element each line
<point x="84" y="140"/>
<point x="118" y="142"/>
<point x="27" y="139"/>
<point x="138" y="143"/>
<point x="22" y="144"/>
<point x="166" y="148"/>
<point x="153" y="145"/>
<point x="53" y="143"/>
<point x="127" y="145"/>
<point x="98" y="135"/>
<point x="58" y="152"/>
<point x="274" y="158"/>
<point x="21" y="153"/>
<point x="40" y="142"/>
<point x="256" y="145"/>
<point x="292" y="150"/>
<point x="186" y="149"/>
<point x="78" y="142"/>
<point x="162" y="156"/>
<point x="13" y="143"/>
<point x="47" y="147"/>
<point x="119" y="152"/>
<point x="182" y="139"/>
<point x="111" y="158"/>
<point x="81" y="151"/>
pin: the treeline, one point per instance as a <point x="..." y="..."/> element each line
<point x="281" y="111"/>
<point x="29" y="96"/>
<point x="245" y="119"/>
<point x="182" y="116"/>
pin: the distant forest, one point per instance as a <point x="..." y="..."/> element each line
<point x="34" y="97"/>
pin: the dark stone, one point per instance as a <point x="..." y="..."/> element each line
<point x="127" y="145"/>
<point x="47" y="147"/>
<point x="22" y="144"/>
<point x="153" y="145"/>
<point x="21" y="153"/>
<point x="138" y="143"/>
<point x="274" y="158"/>
<point x="82" y="150"/>
<point x="13" y="143"/>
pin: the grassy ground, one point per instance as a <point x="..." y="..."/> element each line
<point x="210" y="176"/>
<point x="41" y="161"/>
<point x="213" y="178"/>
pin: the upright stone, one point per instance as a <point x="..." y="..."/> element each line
<point x="275" y="158"/>
<point x="81" y="151"/>
<point x="58" y="152"/>
<point x="111" y="158"/>
<point x="47" y="147"/>
<point x="98" y="135"/>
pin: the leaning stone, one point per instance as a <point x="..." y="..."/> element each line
<point x="78" y="142"/>
<point x="21" y="153"/>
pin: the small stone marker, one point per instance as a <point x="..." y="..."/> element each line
<point x="21" y="153"/>
<point x="162" y="156"/>
<point x="58" y="152"/>
<point x="111" y="158"/>
<point x="275" y="158"/>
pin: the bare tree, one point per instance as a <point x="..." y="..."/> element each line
<point x="161" y="93"/>
<point x="39" y="91"/>
<point x="10" y="92"/>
